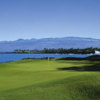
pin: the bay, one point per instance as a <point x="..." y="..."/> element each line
<point x="15" y="57"/>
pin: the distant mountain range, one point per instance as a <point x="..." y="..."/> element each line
<point x="66" y="42"/>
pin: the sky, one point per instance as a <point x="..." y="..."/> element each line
<point x="28" y="19"/>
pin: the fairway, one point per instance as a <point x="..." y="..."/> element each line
<point x="34" y="79"/>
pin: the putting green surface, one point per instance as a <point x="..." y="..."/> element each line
<point x="49" y="80"/>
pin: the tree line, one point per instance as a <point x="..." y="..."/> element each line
<point x="60" y="51"/>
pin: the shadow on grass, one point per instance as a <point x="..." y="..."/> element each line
<point x="70" y="58"/>
<point x="95" y="67"/>
<point x="90" y="58"/>
<point x="88" y="91"/>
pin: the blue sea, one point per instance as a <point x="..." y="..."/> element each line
<point x="15" y="57"/>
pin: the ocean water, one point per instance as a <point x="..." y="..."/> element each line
<point x="15" y="57"/>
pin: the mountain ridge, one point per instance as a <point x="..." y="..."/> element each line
<point x="64" y="42"/>
<point x="50" y="38"/>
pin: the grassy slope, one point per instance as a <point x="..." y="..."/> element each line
<point x="43" y="80"/>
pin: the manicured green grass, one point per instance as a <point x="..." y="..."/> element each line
<point x="50" y="80"/>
